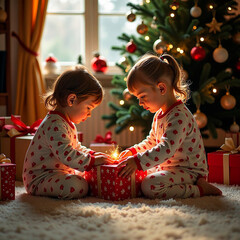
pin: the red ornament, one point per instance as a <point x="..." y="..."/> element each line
<point x="51" y="58"/>
<point x="99" y="63"/>
<point x="238" y="65"/>
<point x="198" y="53"/>
<point x="131" y="47"/>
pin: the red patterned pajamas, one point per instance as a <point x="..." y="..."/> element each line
<point x="172" y="183"/>
<point x="62" y="185"/>
<point x="175" y="147"/>
<point x="52" y="158"/>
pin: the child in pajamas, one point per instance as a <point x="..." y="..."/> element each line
<point x="174" y="145"/>
<point x="55" y="152"/>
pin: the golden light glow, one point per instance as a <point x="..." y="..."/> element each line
<point x="148" y="1"/>
<point x="172" y="15"/>
<point x="174" y="7"/>
<point x="170" y="46"/>
<point x="115" y="154"/>
<point x="214" y="90"/>
<point x="147" y="38"/>
<point x="131" y="129"/>
<point x="229" y="8"/>
<point x="181" y="51"/>
<point x="194" y="27"/>
<point x="178" y="49"/>
<point x="121" y="102"/>
<point x="210" y="6"/>
<point x="202" y="39"/>
<point x="125" y="79"/>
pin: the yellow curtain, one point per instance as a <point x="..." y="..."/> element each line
<point x="30" y="82"/>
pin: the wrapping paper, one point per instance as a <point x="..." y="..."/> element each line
<point x="224" y="165"/>
<point x="7" y="181"/>
<point x="7" y="120"/>
<point x="234" y="136"/>
<point x="105" y="183"/>
<point x="15" y="148"/>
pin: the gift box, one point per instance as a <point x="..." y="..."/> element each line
<point x="105" y="183"/>
<point x="15" y="145"/>
<point x="104" y="144"/>
<point x="224" y="166"/>
<point x="235" y="136"/>
<point x="7" y="120"/>
<point x="103" y="147"/>
<point x="7" y="181"/>
<point x="15" y="148"/>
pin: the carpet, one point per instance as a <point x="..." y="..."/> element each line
<point x="41" y="218"/>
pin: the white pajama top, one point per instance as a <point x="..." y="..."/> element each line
<point x="173" y="142"/>
<point x="55" y="147"/>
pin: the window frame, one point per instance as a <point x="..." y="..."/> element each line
<point x="91" y="18"/>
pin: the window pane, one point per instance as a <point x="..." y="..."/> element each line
<point x="65" y="5"/>
<point x="110" y="27"/>
<point x="114" y="6"/>
<point x="64" y="37"/>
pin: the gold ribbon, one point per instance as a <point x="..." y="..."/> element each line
<point x="229" y="147"/>
<point x="4" y="159"/>
<point x="133" y="183"/>
<point x="13" y="132"/>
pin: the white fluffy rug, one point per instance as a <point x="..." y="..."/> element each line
<point x="40" y="218"/>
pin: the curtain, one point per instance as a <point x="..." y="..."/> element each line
<point x="30" y="82"/>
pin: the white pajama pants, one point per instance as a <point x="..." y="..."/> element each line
<point x="62" y="185"/>
<point x="171" y="183"/>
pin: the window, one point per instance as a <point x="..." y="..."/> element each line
<point x="80" y="27"/>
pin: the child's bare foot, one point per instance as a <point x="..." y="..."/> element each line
<point x="208" y="189"/>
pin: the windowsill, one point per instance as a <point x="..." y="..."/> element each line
<point x="104" y="78"/>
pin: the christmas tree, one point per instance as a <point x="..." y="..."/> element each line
<point x="204" y="37"/>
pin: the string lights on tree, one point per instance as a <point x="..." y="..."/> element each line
<point x="204" y="62"/>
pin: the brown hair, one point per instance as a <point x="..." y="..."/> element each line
<point x="150" y="68"/>
<point x="79" y="82"/>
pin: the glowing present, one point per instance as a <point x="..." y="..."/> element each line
<point x="105" y="183"/>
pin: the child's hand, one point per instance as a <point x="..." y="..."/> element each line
<point x="101" y="159"/>
<point x="129" y="169"/>
<point x="125" y="154"/>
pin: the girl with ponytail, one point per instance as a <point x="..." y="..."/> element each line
<point x="174" y="150"/>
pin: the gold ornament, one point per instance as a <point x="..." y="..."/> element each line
<point x="220" y="54"/>
<point x="234" y="127"/>
<point x="214" y="26"/>
<point x="160" y="46"/>
<point x="228" y="101"/>
<point x="200" y="118"/>
<point x="195" y="11"/>
<point x="131" y="16"/>
<point x="142" y="28"/>
<point x="127" y="95"/>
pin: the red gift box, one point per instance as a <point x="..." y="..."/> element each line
<point x="7" y="120"/>
<point x="235" y="136"/>
<point x="7" y="181"/>
<point x="224" y="167"/>
<point x="105" y="183"/>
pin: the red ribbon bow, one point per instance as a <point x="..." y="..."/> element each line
<point x="107" y="139"/>
<point x="21" y="127"/>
